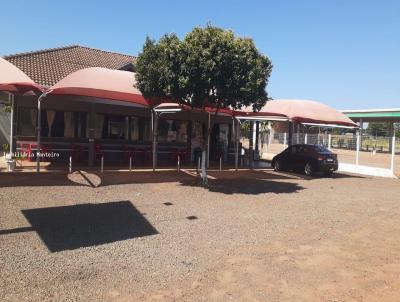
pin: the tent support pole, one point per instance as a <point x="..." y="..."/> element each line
<point x="39" y="130"/>
<point x="290" y="132"/>
<point x="12" y="126"/>
<point x="154" y="123"/>
<point x="236" y="143"/>
<point x="208" y="140"/>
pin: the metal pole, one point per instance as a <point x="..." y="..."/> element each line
<point x="220" y="163"/>
<point x="290" y="134"/>
<point x="130" y="163"/>
<point x="179" y="163"/>
<point x="237" y="133"/>
<point x="251" y="149"/>
<point x="198" y="165"/>
<point x="284" y="140"/>
<point x="305" y="138"/>
<point x="329" y="141"/>
<point x="11" y="98"/>
<point x="102" y="164"/>
<point x="39" y="129"/>
<point x="208" y="140"/>
<point x="393" y="152"/>
<point x="70" y="164"/>
<point x="357" y="149"/>
<point x="155" y="125"/>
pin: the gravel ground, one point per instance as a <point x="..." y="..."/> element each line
<point x="250" y="236"/>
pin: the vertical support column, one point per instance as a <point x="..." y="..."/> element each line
<point x="391" y="134"/>
<point x="11" y="98"/>
<point x="358" y="149"/>
<point x="290" y="134"/>
<point x="91" y="135"/>
<point x="155" y="133"/>
<point x="361" y="131"/>
<point x="393" y="152"/>
<point x="208" y="140"/>
<point x="237" y="144"/>
<point x="284" y="140"/>
<point x="329" y="141"/>
<point x="251" y="151"/>
<point x="256" y="142"/>
<point x="305" y="138"/>
<point x="235" y="129"/>
<point x="39" y="130"/>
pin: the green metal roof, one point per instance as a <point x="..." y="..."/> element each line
<point x="373" y="114"/>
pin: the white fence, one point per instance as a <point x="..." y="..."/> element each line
<point x="365" y="150"/>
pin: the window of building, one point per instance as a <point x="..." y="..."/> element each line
<point x="134" y="128"/>
<point x="27" y="118"/>
<point x="114" y="127"/>
<point x="172" y="131"/>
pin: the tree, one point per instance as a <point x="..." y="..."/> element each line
<point x="210" y="66"/>
<point x="382" y="129"/>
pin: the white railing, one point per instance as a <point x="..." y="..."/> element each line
<point x="366" y="150"/>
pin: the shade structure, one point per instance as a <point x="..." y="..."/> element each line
<point x="302" y="111"/>
<point x="171" y="107"/>
<point x="175" y="107"/>
<point x="14" y="80"/>
<point x="101" y="83"/>
<point x="305" y="111"/>
<point x="247" y="113"/>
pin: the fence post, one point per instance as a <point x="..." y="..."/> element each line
<point x="393" y="153"/>
<point x="357" y="149"/>
<point x="198" y="165"/>
<point x="329" y="141"/>
<point x="70" y="164"/>
<point x="305" y="138"/>
<point x="284" y="140"/>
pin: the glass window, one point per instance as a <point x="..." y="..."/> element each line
<point x="27" y="118"/>
<point x="134" y="128"/>
<point x="172" y="131"/>
<point x="98" y="121"/>
<point x="145" y="129"/>
<point x="81" y="124"/>
<point x="321" y="149"/>
<point x="114" y="127"/>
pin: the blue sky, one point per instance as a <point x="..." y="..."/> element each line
<point x="342" y="53"/>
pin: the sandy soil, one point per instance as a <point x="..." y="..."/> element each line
<point x="250" y="236"/>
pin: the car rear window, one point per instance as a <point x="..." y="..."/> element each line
<point x="321" y="149"/>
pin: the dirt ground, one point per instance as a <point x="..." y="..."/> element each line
<point x="250" y="236"/>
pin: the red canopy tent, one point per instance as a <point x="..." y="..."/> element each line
<point x="307" y="112"/>
<point x="14" y="80"/>
<point x="101" y="83"/>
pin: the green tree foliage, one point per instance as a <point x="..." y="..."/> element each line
<point x="209" y="66"/>
<point x="382" y="129"/>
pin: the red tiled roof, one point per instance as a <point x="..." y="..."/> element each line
<point x="48" y="66"/>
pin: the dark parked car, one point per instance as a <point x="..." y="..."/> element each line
<point x="306" y="158"/>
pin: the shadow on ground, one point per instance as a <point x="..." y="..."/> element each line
<point x="248" y="182"/>
<point x="250" y="178"/>
<point x="84" y="225"/>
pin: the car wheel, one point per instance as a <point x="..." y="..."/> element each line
<point x="277" y="165"/>
<point x="308" y="169"/>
